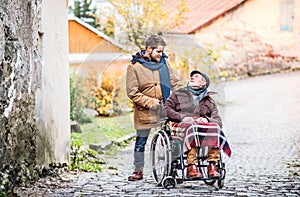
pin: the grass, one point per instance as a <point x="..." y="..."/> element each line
<point x="101" y="128"/>
<point x="107" y="128"/>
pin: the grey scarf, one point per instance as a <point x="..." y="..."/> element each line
<point x="198" y="92"/>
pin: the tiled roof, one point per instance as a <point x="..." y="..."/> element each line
<point x="201" y="12"/>
<point x="96" y="31"/>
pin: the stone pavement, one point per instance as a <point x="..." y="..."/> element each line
<point x="116" y="184"/>
<point x="261" y="121"/>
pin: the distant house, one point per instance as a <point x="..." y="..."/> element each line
<point x="251" y="36"/>
<point x="101" y="62"/>
<point x="92" y="52"/>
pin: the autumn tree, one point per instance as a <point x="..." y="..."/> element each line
<point x="137" y="18"/>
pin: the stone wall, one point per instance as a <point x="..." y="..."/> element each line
<point x="28" y="133"/>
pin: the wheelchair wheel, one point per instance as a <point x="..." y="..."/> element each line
<point x="202" y="154"/>
<point x="221" y="183"/>
<point x="169" y="182"/>
<point x="160" y="156"/>
<point x="222" y="172"/>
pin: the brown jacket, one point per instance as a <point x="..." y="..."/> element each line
<point x="143" y="88"/>
<point x="181" y="104"/>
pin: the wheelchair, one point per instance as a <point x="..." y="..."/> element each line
<point x="168" y="163"/>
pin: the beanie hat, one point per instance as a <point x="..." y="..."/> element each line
<point x="204" y="75"/>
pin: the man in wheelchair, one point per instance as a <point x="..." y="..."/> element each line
<point x="194" y="105"/>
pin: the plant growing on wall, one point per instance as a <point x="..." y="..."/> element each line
<point x="204" y="59"/>
<point x="83" y="159"/>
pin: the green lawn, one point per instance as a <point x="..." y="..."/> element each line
<point x="107" y="128"/>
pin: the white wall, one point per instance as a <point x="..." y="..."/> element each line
<point x="54" y="118"/>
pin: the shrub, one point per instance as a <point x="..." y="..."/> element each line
<point x="78" y="99"/>
<point x="103" y="96"/>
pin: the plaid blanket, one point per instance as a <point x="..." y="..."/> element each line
<point x="199" y="134"/>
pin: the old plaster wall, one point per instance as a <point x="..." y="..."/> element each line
<point x="266" y="20"/>
<point x="249" y="38"/>
<point x="53" y="108"/>
<point x="34" y="90"/>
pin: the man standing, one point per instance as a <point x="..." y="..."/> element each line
<point x="149" y="80"/>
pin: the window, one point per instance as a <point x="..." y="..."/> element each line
<point x="286" y="15"/>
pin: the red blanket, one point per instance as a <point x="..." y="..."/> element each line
<point x="199" y="134"/>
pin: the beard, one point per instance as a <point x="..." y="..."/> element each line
<point x="154" y="58"/>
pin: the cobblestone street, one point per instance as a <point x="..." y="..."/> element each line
<point x="261" y="120"/>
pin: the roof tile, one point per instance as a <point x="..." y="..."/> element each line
<point x="200" y="12"/>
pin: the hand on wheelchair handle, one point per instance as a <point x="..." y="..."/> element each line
<point x="192" y="120"/>
<point x="202" y="120"/>
<point x="188" y="119"/>
<point x="158" y="105"/>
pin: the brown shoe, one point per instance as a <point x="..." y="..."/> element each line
<point x="193" y="172"/>
<point x="213" y="171"/>
<point x="137" y="175"/>
<point x="179" y="180"/>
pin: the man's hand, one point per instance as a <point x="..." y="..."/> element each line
<point x="188" y="119"/>
<point x="158" y="104"/>
<point x="201" y="119"/>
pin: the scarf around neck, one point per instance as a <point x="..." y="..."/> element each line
<point x="198" y="92"/>
<point x="162" y="68"/>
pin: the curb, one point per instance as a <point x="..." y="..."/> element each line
<point x="106" y="144"/>
<point x="125" y="138"/>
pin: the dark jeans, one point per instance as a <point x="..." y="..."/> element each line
<point x="139" y="148"/>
